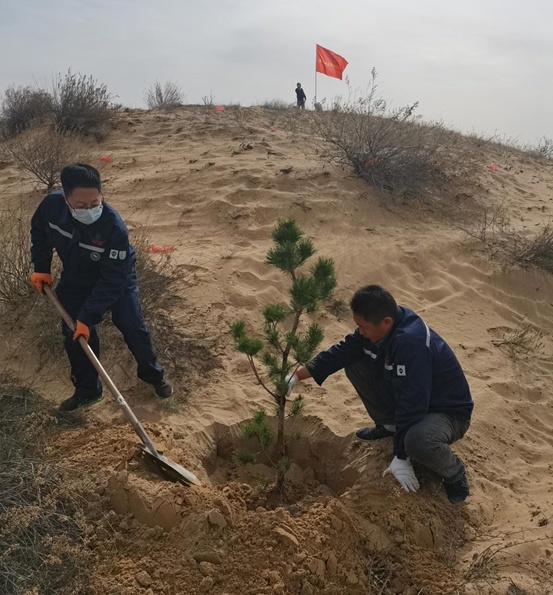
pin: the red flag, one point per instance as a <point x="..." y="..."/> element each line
<point x="330" y="63"/>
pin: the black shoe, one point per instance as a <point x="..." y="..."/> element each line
<point x="163" y="389"/>
<point x="77" y="401"/>
<point x="457" y="491"/>
<point x="373" y="433"/>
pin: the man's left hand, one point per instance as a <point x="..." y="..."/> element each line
<point x="81" y="330"/>
<point x="403" y="471"/>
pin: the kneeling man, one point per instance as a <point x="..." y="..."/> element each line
<point x="411" y="384"/>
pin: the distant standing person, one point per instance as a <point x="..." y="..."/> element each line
<point x="300" y="96"/>
<point x="98" y="275"/>
<point x="410" y="383"/>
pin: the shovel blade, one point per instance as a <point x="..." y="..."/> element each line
<point x="169" y="470"/>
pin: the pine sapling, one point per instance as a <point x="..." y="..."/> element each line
<point x="285" y="346"/>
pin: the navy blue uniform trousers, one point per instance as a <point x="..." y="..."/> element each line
<point x="126" y="314"/>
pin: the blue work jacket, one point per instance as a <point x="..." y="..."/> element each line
<point x="413" y="368"/>
<point x="98" y="261"/>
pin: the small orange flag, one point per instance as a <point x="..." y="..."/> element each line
<point x="330" y="63"/>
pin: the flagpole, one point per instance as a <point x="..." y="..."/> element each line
<point x="315" y="75"/>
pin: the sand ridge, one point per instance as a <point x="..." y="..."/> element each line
<point x="212" y="186"/>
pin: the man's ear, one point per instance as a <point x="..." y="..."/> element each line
<point x="389" y="321"/>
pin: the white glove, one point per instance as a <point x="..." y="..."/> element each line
<point x="403" y="471"/>
<point x="292" y="380"/>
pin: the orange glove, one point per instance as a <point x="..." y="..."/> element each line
<point x="81" y="330"/>
<point x="38" y="280"/>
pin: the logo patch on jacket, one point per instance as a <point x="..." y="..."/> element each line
<point x="94" y="256"/>
<point x="401" y="371"/>
<point x="113" y="254"/>
<point x="97" y="242"/>
<point x="122" y="254"/>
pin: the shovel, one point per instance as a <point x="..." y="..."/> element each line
<point x="167" y="468"/>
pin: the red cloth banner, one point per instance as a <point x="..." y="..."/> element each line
<point x="330" y="63"/>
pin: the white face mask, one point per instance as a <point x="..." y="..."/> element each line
<point x="87" y="216"/>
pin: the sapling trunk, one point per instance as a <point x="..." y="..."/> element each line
<point x="281" y="447"/>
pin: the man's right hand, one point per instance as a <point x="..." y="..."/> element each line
<point x="292" y="380"/>
<point x="39" y="279"/>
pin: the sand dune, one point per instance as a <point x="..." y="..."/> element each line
<point x="212" y="186"/>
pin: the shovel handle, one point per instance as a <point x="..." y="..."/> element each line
<point x="101" y="371"/>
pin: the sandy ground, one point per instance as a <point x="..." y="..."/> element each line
<point x="212" y="185"/>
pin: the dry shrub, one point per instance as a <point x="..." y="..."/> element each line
<point x="161" y="287"/>
<point x="543" y="150"/>
<point x="81" y="105"/>
<point x="208" y="100"/>
<point x="536" y="251"/>
<point x="15" y="262"/>
<point x="492" y="228"/>
<point x="523" y="341"/>
<point x="156" y="278"/>
<point x="486" y="223"/>
<point x="499" y="556"/>
<point x="23" y="107"/>
<point x="158" y="287"/>
<point x="41" y="528"/>
<point x="391" y="149"/>
<point x="164" y="97"/>
<point x="44" y="151"/>
<point x="34" y="328"/>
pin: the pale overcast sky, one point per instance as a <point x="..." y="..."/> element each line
<point x="485" y="65"/>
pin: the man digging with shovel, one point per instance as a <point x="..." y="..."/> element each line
<point x="98" y="275"/>
<point x="411" y="384"/>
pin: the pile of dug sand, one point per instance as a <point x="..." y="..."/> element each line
<point x="211" y="185"/>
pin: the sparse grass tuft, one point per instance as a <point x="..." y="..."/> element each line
<point x="380" y="574"/>
<point x="244" y="458"/>
<point x="514" y="589"/>
<point x="338" y="307"/>
<point x="276" y="104"/>
<point x="41" y="534"/>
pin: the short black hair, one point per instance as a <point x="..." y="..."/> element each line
<point x="80" y="175"/>
<point x="373" y="303"/>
